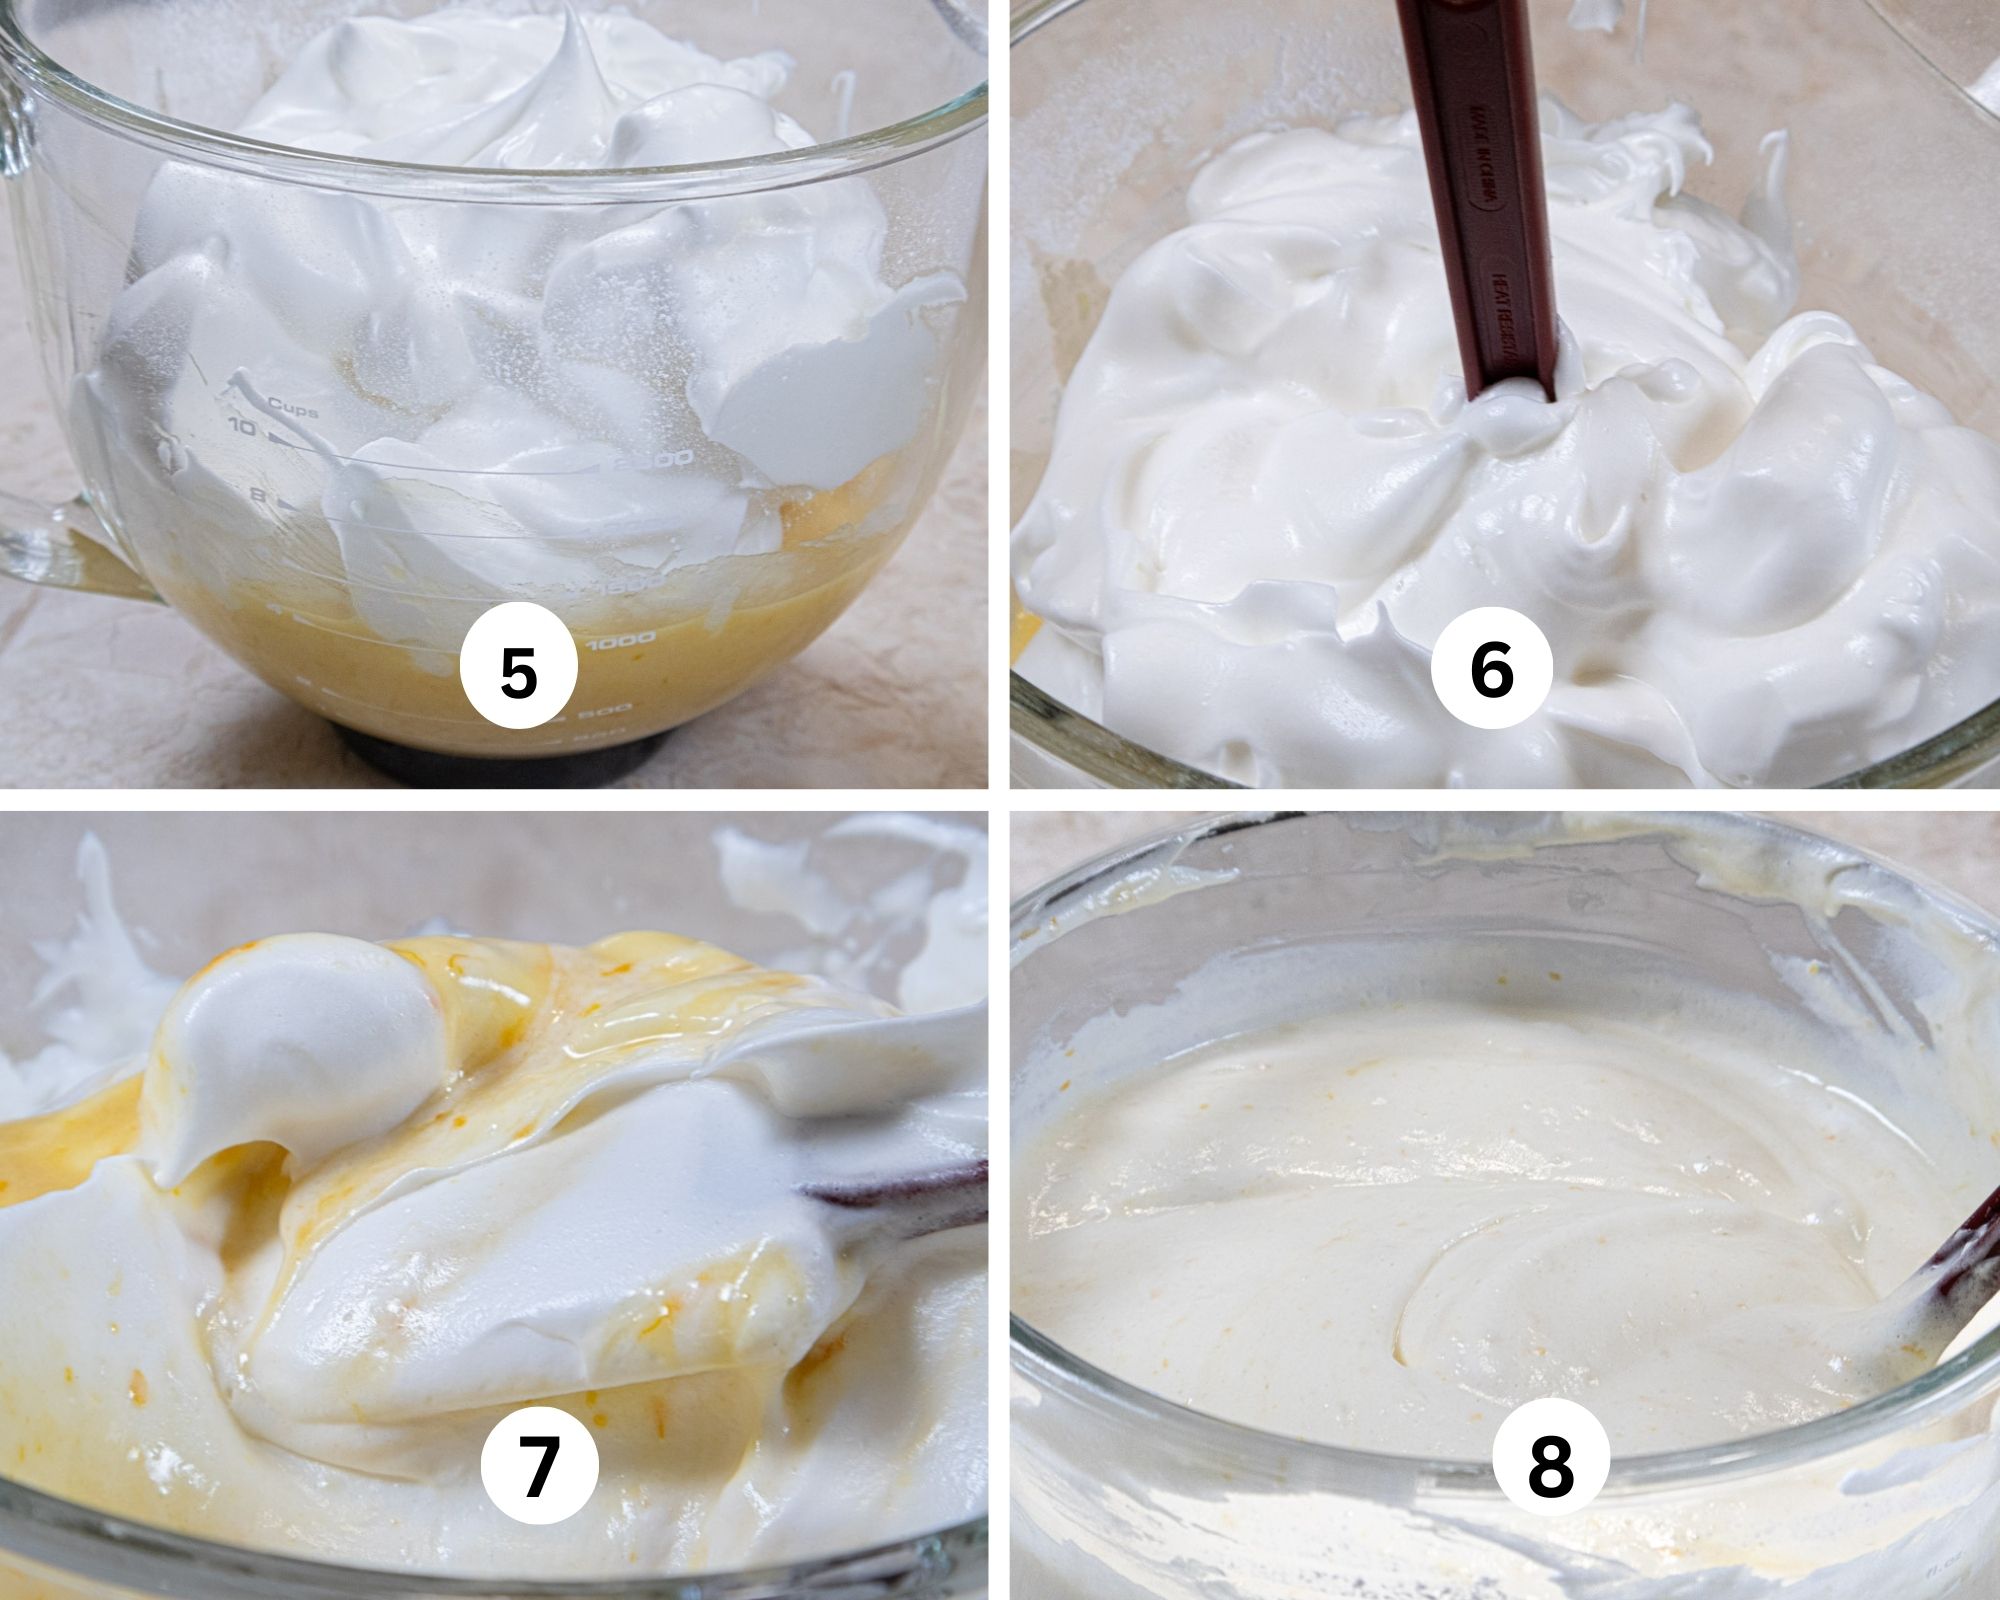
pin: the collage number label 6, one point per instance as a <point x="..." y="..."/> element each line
<point x="539" y="1465"/>
<point x="1552" y="1457"/>
<point x="518" y="665"/>
<point x="1492" y="668"/>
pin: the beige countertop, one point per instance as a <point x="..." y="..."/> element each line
<point x="98" y="693"/>
<point x="1960" y="850"/>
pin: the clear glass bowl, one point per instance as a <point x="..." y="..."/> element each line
<point x="1115" y="103"/>
<point x="1118" y="1493"/>
<point x="344" y="568"/>
<point x="376" y="876"/>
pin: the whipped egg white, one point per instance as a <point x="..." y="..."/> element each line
<point x="275" y="1280"/>
<point x="556" y="401"/>
<point x="1759" y="556"/>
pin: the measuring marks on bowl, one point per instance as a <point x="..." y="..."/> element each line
<point x="389" y="575"/>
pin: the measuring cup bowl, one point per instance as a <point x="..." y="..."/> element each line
<point x="334" y="409"/>
<point x="1894" y="187"/>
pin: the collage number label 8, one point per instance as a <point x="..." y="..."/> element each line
<point x="1552" y="1457"/>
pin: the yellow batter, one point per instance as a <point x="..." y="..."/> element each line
<point x="686" y="653"/>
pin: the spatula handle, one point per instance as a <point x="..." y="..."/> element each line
<point x="910" y="1205"/>
<point x="1967" y="1267"/>
<point x="1472" y="75"/>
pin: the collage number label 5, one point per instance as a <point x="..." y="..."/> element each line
<point x="1552" y="1457"/>
<point x="518" y="665"/>
<point x="1492" y="668"/>
<point x="539" y="1465"/>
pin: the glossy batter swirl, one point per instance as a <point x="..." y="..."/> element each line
<point x="1387" y="1229"/>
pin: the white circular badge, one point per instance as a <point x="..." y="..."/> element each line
<point x="1552" y="1457"/>
<point x="518" y="665"/>
<point x="1492" y="668"/>
<point x="539" y="1465"/>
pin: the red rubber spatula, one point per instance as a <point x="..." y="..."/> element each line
<point x="912" y="1204"/>
<point x="1472" y="73"/>
<point x="1907" y="1334"/>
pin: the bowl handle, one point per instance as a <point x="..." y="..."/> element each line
<point x="48" y="545"/>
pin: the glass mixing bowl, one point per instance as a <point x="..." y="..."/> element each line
<point x="342" y="559"/>
<point x="1118" y="1493"/>
<point x="1894" y="187"/>
<point x="378" y="876"/>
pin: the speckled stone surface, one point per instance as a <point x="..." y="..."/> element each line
<point x="1959" y="850"/>
<point x="117" y="694"/>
